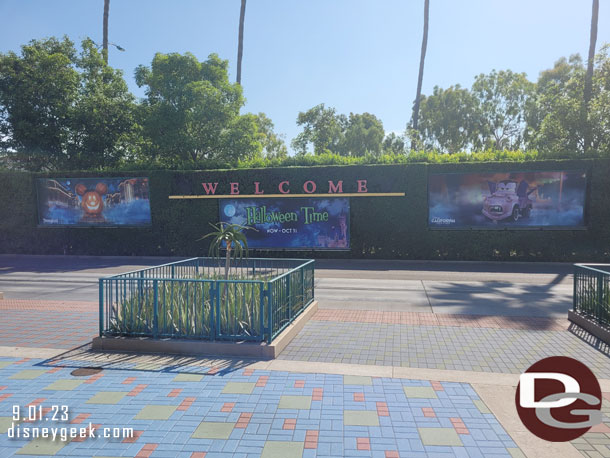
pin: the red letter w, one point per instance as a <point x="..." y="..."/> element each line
<point x="209" y="187"/>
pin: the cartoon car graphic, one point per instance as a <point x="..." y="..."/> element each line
<point x="508" y="200"/>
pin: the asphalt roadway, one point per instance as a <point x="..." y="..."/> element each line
<point x="473" y="288"/>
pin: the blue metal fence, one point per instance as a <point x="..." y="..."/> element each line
<point x="193" y="299"/>
<point x="592" y="292"/>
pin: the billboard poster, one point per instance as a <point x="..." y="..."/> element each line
<point x="507" y="200"/>
<point x="294" y="223"/>
<point x="93" y="202"/>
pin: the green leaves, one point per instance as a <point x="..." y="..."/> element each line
<point x="504" y="98"/>
<point x="230" y="234"/>
<point x="450" y="120"/>
<point x="62" y="110"/>
<point x="191" y="113"/>
<point x="327" y="131"/>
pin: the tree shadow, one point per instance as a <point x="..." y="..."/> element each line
<point x="517" y="303"/>
<point x="560" y="269"/>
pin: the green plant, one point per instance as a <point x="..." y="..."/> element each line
<point x="233" y="237"/>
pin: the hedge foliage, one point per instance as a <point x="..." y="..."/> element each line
<point x="384" y="228"/>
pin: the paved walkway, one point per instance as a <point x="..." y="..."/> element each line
<point x="253" y="413"/>
<point x="402" y="359"/>
<point x="47" y="324"/>
<point x="442" y="347"/>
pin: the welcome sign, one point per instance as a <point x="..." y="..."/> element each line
<point x="286" y="188"/>
<point x="299" y="223"/>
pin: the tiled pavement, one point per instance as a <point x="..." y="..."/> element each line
<point x="251" y="413"/>
<point x="19" y="328"/>
<point x="491" y="344"/>
<point x="443" y="319"/>
<point x="442" y="347"/>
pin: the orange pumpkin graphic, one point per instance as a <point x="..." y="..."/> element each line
<point x="92" y="202"/>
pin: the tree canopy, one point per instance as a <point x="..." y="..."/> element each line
<point x="191" y="111"/>
<point x="64" y="108"/>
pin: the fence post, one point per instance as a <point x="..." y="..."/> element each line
<point x="262" y="311"/>
<point x="313" y="280"/>
<point x="155" y="308"/>
<point x="101" y="298"/>
<point x="213" y="310"/>
<point x="269" y="312"/>
<point x="140" y="290"/>
<point x="575" y="293"/>
<point x="218" y="331"/>
<point x="600" y="297"/>
<point x="289" y="297"/>
<point x="302" y="269"/>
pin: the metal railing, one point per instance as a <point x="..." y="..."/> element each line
<point x="196" y="299"/>
<point x="592" y="292"/>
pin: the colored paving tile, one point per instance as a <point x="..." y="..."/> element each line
<point x="156" y="412"/>
<point x="213" y="430"/>
<point x="27" y="374"/>
<point x="5" y="424"/>
<point x="238" y="388"/>
<point x="269" y="420"/>
<point x="481" y="406"/>
<point x="282" y="449"/>
<point x="357" y="380"/>
<point x="41" y="447"/>
<point x="439" y="437"/>
<point x="294" y="402"/>
<point x="64" y="385"/>
<point x="188" y="378"/>
<point x="107" y="397"/>
<point x="360" y="418"/>
<point x="421" y="392"/>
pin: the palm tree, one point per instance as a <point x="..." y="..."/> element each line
<point x="232" y="235"/>
<point x="422" y="59"/>
<point x="240" y="44"/>
<point x="105" y="31"/>
<point x="589" y="75"/>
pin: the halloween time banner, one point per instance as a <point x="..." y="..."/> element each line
<point x="297" y="223"/>
<point x="507" y="200"/>
<point x="93" y="202"/>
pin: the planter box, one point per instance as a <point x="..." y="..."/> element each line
<point x="193" y="299"/>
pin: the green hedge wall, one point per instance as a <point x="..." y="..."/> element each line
<point x="383" y="228"/>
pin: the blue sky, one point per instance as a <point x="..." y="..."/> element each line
<point x="353" y="55"/>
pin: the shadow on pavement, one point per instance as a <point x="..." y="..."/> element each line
<point x="590" y="339"/>
<point x="85" y="357"/>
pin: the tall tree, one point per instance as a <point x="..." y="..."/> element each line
<point x="63" y="110"/>
<point x="240" y="43"/>
<point x="105" y="31"/>
<point x="503" y="97"/>
<point x="191" y="112"/>
<point x="555" y="121"/>
<point x="589" y="74"/>
<point x="323" y="128"/>
<point x="363" y="135"/>
<point x="273" y="144"/>
<point x="422" y="59"/>
<point x="451" y="120"/>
